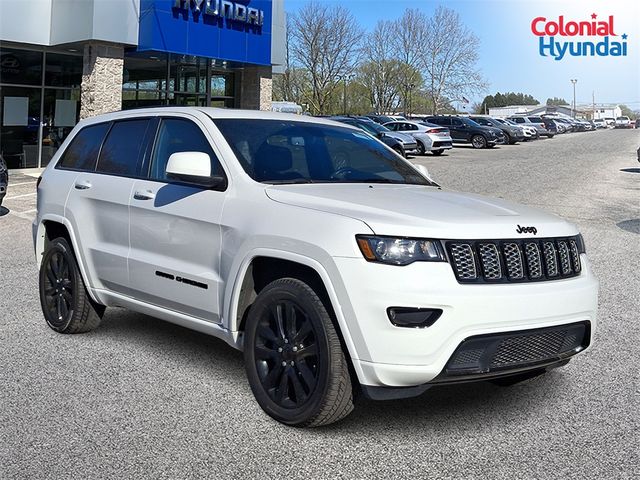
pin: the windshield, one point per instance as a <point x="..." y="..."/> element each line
<point x="285" y="151"/>
<point x="372" y="127"/>
<point x="469" y="122"/>
<point x="482" y="121"/>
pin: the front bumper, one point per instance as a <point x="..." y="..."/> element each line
<point x="387" y="355"/>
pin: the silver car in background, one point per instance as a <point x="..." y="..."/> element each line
<point x="430" y="137"/>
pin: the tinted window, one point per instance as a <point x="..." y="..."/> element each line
<point x="456" y="122"/>
<point x="179" y="135"/>
<point x="482" y="121"/>
<point x="122" y="149"/>
<point x="279" y="151"/>
<point x="439" y="120"/>
<point x="535" y="119"/>
<point x="83" y="151"/>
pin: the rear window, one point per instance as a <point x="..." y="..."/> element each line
<point x="122" y="149"/>
<point x="535" y="119"/>
<point x="83" y="151"/>
<point x="481" y="121"/>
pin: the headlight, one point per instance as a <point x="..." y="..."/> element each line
<point x="400" y="251"/>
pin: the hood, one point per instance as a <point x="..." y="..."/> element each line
<point x="421" y="211"/>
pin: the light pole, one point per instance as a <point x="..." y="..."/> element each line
<point x="574" y="81"/>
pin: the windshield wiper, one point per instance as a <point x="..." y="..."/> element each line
<point x="290" y="181"/>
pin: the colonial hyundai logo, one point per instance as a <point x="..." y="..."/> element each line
<point x="533" y="230"/>
<point x="233" y="11"/>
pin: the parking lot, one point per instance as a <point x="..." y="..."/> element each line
<point x="142" y="398"/>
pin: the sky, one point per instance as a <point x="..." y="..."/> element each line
<point x="509" y="56"/>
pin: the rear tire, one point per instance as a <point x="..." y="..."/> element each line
<point x="65" y="303"/>
<point x="422" y="150"/>
<point x="294" y="360"/>
<point x="437" y="152"/>
<point x="400" y="151"/>
<point x="478" y="141"/>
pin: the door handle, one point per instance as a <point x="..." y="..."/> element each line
<point x="82" y="185"/>
<point x="146" y="195"/>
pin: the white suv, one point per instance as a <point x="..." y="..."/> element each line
<point x="336" y="266"/>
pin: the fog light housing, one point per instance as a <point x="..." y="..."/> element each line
<point x="413" y="317"/>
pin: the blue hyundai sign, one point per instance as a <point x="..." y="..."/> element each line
<point x="238" y="31"/>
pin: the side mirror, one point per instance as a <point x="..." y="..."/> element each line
<point x="423" y="170"/>
<point x="193" y="167"/>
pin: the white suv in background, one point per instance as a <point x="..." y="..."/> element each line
<point x="431" y="138"/>
<point x="333" y="263"/>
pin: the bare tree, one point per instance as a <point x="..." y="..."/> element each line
<point x="381" y="72"/>
<point x="410" y="34"/>
<point x="326" y="43"/>
<point x="449" y="58"/>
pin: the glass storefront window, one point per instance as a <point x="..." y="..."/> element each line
<point x="22" y="67"/>
<point x="63" y="70"/>
<point x="61" y="113"/>
<point x="145" y="82"/>
<point x="19" y="126"/>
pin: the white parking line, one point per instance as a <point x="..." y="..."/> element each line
<point x="23" y="183"/>
<point x="20" y="196"/>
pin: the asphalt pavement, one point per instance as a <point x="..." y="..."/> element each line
<point x="140" y="398"/>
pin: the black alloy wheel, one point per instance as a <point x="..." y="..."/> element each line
<point x="59" y="287"/>
<point x="422" y="150"/>
<point x="293" y="357"/>
<point x="478" y="141"/>
<point x="65" y="303"/>
<point x="286" y="353"/>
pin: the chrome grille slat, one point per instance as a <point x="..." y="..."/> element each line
<point x="490" y="260"/>
<point x="565" y="261"/>
<point x="550" y="259"/>
<point x="513" y="258"/>
<point x="526" y="260"/>
<point x="534" y="262"/>
<point x="464" y="261"/>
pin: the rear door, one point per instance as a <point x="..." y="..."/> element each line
<point x="459" y="132"/>
<point x="98" y="203"/>
<point x="176" y="237"/>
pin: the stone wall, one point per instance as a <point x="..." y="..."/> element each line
<point x="256" y="88"/>
<point x="101" y="90"/>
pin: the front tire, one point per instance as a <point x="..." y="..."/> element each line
<point x="293" y="357"/>
<point x="65" y="303"/>
<point x="422" y="150"/>
<point x="478" y="141"/>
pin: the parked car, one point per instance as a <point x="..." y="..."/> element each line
<point x="512" y="133"/>
<point x="397" y="117"/>
<point x="623" y="122"/>
<point x="566" y="122"/>
<point x="610" y="121"/>
<point x="381" y="119"/>
<point x="430" y="137"/>
<point x="599" y="122"/>
<point x="334" y="264"/>
<point x="529" y="131"/>
<point x="401" y="143"/>
<point x="537" y="123"/>
<point x="550" y="124"/>
<point x="464" y="130"/>
<point x="4" y="179"/>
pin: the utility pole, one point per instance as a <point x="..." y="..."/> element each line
<point x="574" y="81"/>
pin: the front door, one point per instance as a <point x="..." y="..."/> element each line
<point x="174" y="260"/>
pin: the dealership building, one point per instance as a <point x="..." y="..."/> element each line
<point x="64" y="60"/>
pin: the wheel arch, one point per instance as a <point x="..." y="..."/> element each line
<point x="54" y="226"/>
<point x="263" y="266"/>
